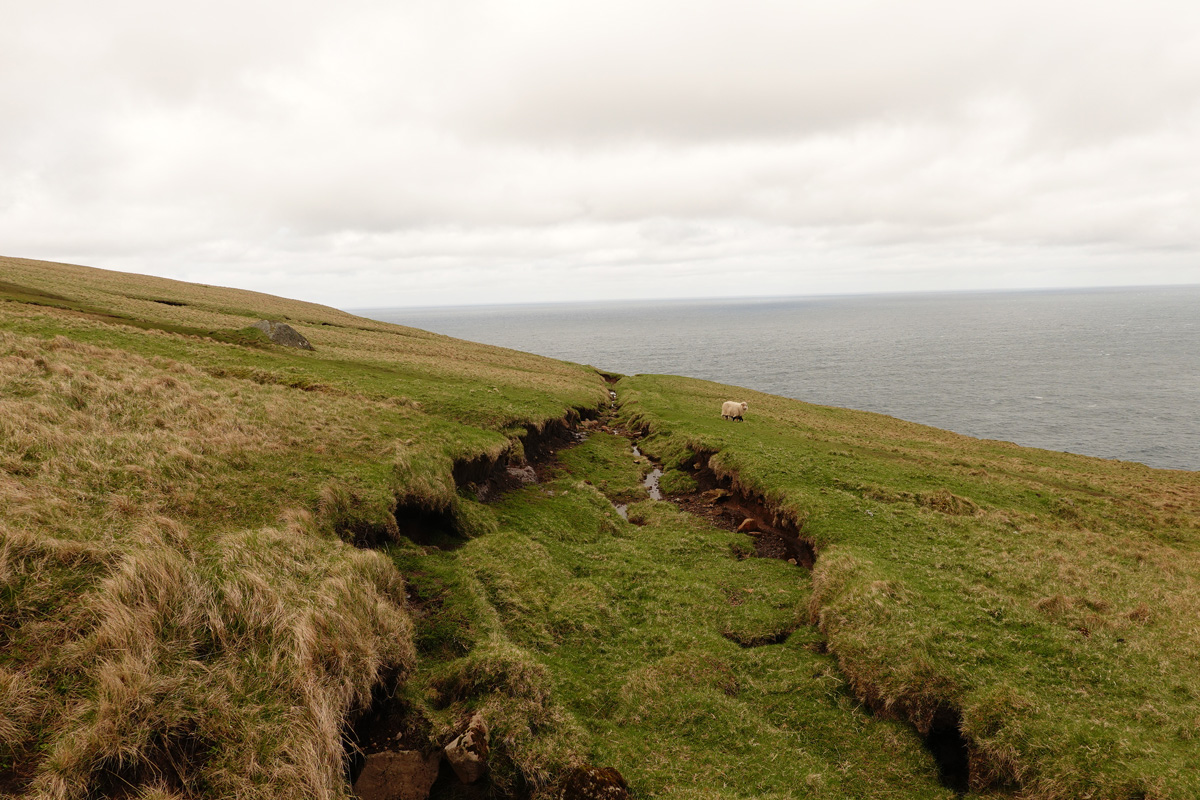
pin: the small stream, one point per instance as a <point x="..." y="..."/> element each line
<point x="651" y="484"/>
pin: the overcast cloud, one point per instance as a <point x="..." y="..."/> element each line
<point x="463" y="151"/>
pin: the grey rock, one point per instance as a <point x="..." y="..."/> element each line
<point x="403" y="775"/>
<point x="467" y="754"/>
<point x="283" y="334"/>
<point x="525" y="474"/>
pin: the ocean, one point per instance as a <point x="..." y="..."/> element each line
<point x="1113" y="373"/>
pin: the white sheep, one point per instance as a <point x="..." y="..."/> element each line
<point x="733" y="410"/>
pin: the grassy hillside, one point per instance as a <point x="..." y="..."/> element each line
<point x="1046" y="603"/>
<point x="182" y="606"/>
<point x="227" y="565"/>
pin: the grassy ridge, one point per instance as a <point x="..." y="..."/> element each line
<point x="1051" y="601"/>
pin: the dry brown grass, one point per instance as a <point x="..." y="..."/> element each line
<point x="336" y="334"/>
<point x="132" y="437"/>
<point x="20" y="706"/>
<point x="145" y="677"/>
<point x="141" y="643"/>
<point x="182" y="614"/>
<point x="190" y="303"/>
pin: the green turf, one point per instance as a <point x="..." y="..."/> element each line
<point x="638" y="628"/>
<point x="1049" y="599"/>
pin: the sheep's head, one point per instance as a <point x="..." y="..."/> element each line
<point x="745" y="407"/>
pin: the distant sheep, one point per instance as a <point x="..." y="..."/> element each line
<point x="733" y="410"/>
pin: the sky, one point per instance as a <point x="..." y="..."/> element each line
<point x="449" y="152"/>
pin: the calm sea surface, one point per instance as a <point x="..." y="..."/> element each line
<point x="1112" y="373"/>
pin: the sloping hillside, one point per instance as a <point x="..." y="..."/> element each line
<point x="229" y="568"/>
<point x="1045" y="604"/>
<point x="183" y="605"/>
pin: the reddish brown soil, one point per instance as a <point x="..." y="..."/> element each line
<point x="15" y="776"/>
<point x="393" y="726"/>
<point x="728" y="511"/>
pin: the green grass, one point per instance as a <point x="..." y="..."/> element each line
<point x="184" y="611"/>
<point x="1050" y="599"/>
<point x="637" y="629"/>
<point x="247" y="336"/>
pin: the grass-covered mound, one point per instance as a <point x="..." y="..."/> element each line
<point x="1045" y="603"/>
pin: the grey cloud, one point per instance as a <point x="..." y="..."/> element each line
<point x="503" y="146"/>
<point x="720" y="70"/>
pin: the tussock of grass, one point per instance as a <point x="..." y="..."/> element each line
<point x="20" y="707"/>
<point x="471" y="664"/>
<point x="165" y="650"/>
<point x="424" y="480"/>
<point x="534" y="740"/>
<point x="356" y="519"/>
<point x="676" y="481"/>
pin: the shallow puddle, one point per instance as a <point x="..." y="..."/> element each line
<point x="651" y="481"/>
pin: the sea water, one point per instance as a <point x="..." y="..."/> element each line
<point x="1113" y="373"/>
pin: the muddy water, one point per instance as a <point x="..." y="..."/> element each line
<point x="651" y="482"/>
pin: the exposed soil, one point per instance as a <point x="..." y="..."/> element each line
<point x="724" y="506"/>
<point x="728" y="511"/>
<point x="489" y="478"/>
<point x="15" y="775"/>
<point x="949" y="748"/>
<point x="492" y="478"/>
<point x="391" y="724"/>
<point x="505" y="479"/>
<point x="426" y="526"/>
<point x="449" y="787"/>
<point x="594" y="783"/>
<point x="743" y="640"/>
<point x="171" y="761"/>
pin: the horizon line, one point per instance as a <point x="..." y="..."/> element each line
<point x="778" y="297"/>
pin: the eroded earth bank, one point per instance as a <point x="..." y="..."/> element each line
<point x="651" y="644"/>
